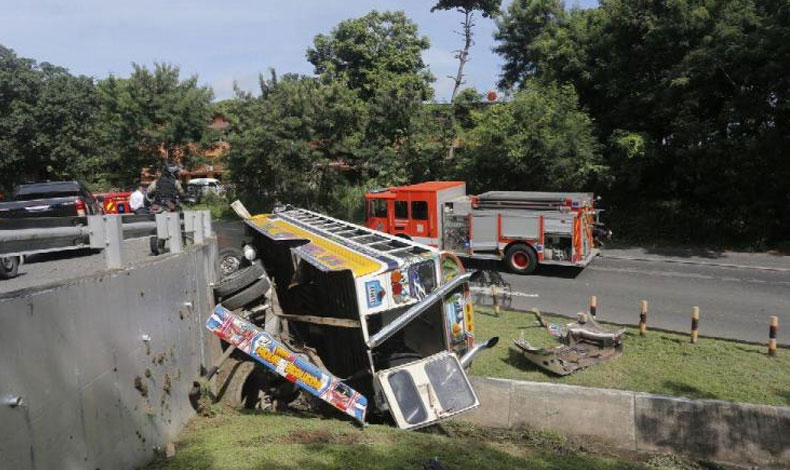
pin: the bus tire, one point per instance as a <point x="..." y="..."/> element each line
<point x="521" y="258"/>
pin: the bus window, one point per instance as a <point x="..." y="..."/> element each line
<point x="401" y="210"/>
<point x="419" y="210"/>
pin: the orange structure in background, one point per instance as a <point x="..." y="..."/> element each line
<point x="211" y="169"/>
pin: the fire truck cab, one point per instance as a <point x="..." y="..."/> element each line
<point x="521" y="228"/>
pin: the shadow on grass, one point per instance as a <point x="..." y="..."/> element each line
<point x="689" y="391"/>
<point x="516" y="359"/>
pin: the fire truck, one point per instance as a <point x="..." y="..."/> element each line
<point x="521" y="228"/>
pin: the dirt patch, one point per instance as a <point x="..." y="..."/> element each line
<point x="140" y="386"/>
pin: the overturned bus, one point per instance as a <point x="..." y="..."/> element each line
<point x="367" y="322"/>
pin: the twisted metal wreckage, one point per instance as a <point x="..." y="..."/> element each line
<point x="586" y="342"/>
<point x="366" y="321"/>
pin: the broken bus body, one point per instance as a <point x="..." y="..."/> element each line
<point x="389" y="318"/>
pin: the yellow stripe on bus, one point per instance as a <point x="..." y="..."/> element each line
<point x="329" y="253"/>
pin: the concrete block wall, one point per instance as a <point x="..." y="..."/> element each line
<point x="103" y="363"/>
<point x="710" y="429"/>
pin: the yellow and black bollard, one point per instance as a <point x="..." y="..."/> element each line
<point x="694" y="324"/>
<point x="593" y="305"/>
<point x="772" y="336"/>
<point x="643" y="319"/>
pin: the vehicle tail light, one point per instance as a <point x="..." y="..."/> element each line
<point x="80" y="207"/>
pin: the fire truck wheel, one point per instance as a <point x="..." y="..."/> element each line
<point x="238" y="280"/>
<point x="521" y="258"/>
<point x="248" y="295"/>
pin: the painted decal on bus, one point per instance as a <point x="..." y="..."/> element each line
<point x="265" y="349"/>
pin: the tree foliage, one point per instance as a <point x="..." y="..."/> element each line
<point x="539" y="139"/>
<point x="291" y="136"/>
<point x="46" y="122"/>
<point x="691" y="98"/>
<point x="370" y="52"/>
<point x="151" y="117"/>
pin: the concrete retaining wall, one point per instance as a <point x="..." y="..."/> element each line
<point x="94" y="393"/>
<point x="710" y="429"/>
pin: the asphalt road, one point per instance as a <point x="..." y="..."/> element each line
<point x="734" y="302"/>
<point x="61" y="266"/>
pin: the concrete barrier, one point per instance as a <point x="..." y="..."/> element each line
<point x="103" y="363"/>
<point x="716" y="430"/>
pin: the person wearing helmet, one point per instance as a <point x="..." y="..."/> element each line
<point x="166" y="190"/>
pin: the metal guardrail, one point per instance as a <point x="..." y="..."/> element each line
<point x="28" y="236"/>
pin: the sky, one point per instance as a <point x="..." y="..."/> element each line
<point x="223" y="41"/>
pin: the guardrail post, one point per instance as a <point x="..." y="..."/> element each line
<point x="174" y="230"/>
<point x="114" y="253"/>
<point x="199" y="231"/>
<point x="189" y="226"/>
<point x="162" y="231"/>
<point x="207" y="232"/>
<point x="96" y="231"/>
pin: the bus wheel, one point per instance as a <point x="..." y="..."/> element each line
<point x="521" y="258"/>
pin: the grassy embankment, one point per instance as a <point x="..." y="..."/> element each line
<point x="663" y="363"/>
<point x="240" y="441"/>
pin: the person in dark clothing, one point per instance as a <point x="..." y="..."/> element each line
<point x="166" y="190"/>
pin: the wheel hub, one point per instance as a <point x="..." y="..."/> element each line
<point x="521" y="260"/>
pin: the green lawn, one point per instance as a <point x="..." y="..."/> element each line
<point x="662" y="363"/>
<point x="239" y="441"/>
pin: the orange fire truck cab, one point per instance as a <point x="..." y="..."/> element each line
<point x="521" y="228"/>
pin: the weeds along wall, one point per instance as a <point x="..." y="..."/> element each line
<point x="103" y="364"/>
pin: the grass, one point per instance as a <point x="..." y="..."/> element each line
<point x="239" y="441"/>
<point x="663" y="363"/>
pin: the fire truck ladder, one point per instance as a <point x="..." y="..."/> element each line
<point x="361" y="237"/>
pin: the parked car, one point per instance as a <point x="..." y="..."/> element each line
<point x="45" y="199"/>
<point x="197" y="188"/>
<point x="50" y="199"/>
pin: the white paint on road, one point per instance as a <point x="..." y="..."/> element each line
<point x="487" y="290"/>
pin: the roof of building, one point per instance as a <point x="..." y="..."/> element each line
<point x="429" y="186"/>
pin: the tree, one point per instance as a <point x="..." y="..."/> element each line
<point x="539" y="139"/>
<point x="699" y="87"/>
<point x="291" y="140"/>
<point x="152" y="117"/>
<point x="487" y="8"/>
<point x="379" y="58"/>
<point x="367" y="52"/>
<point x="47" y="122"/>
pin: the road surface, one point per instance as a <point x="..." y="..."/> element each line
<point x="735" y="300"/>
